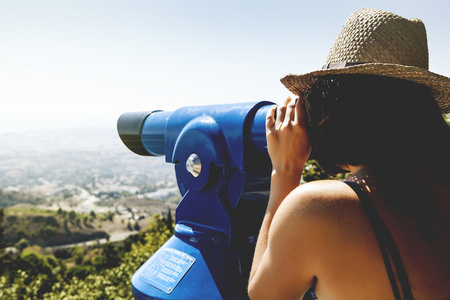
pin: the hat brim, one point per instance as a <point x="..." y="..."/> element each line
<point x="439" y="85"/>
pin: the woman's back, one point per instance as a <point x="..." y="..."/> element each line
<point x="422" y="237"/>
<point x="348" y="262"/>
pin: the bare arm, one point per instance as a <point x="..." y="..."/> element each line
<point x="289" y="149"/>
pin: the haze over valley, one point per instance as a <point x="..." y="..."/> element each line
<point x="87" y="171"/>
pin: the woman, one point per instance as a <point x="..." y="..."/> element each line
<point x="374" y="111"/>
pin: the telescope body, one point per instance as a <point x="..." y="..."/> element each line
<point x="223" y="173"/>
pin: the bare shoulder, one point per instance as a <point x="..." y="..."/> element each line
<point x="328" y="209"/>
<point x="321" y="198"/>
<point x="323" y="213"/>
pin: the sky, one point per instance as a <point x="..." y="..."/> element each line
<point x="82" y="63"/>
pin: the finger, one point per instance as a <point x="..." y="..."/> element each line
<point x="281" y="112"/>
<point x="270" y="118"/>
<point x="300" y="111"/>
<point x="290" y="112"/>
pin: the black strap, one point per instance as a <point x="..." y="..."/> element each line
<point x="387" y="244"/>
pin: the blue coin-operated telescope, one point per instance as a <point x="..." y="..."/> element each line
<point x="223" y="173"/>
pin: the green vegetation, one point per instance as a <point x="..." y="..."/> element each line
<point x="10" y="198"/>
<point x="48" y="228"/>
<point x="312" y="171"/>
<point x="100" y="273"/>
<point x="2" y="244"/>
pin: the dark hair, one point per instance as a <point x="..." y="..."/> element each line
<point x="377" y="121"/>
<point x="393" y="126"/>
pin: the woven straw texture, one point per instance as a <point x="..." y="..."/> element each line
<point x="381" y="43"/>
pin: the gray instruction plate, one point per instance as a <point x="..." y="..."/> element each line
<point x="166" y="269"/>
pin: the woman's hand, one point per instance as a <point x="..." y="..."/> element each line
<point x="289" y="148"/>
<point x="287" y="140"/>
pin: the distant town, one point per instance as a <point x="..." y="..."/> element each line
<point x="85" y="170"/>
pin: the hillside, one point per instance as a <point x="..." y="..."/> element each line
<point x="49" y="228"/>
<point x="80" y="172"/>
<point x="80" y="272"/>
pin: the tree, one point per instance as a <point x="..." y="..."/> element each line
<point x="169" y="221"/>
<point x="66" y="226"/>
<point x="77" y="254"/>
<point x="110" y="215"/>
<point x="111" y="255"/>
<point x="313" y="171"/>
<point x="2" y="244"/>
<point x="79" y="271"/>
<point x="22" y="244"/>
<point x="136" y="226"/>
<point x="34" y="264"/>
<point x="86" y="222"/>
<point x="72" y="216"/>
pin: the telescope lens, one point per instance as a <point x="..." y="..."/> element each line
<point x="129" y="127"/>
<point x="144" y="132"/>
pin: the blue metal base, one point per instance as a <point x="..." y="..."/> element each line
<point x="179" y="270"/>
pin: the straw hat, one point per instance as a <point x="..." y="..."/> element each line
<point x="379" y="43"/>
